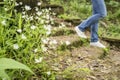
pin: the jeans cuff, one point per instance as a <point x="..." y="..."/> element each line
<point x="95" y="40"/>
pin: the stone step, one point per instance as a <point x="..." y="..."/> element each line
<point x="62" y="31"/>
<point x="66" y="31"/>
<point x="69" y="42"/>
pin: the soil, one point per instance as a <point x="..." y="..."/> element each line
<point x="83" y="56"/>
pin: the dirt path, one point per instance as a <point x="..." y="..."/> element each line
<point x="79" y="61"/>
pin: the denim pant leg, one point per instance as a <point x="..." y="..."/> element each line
<point x="99" y="10"/>
<point x="94" y="32"/>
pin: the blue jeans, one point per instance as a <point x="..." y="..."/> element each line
<point x="99" y="11"/>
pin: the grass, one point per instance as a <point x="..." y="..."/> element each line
<point x="77" y="9"/>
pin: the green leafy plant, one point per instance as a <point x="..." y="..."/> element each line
<point x="11" y="64"/>
<point x="21" y="37"/>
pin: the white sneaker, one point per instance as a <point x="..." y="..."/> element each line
<point x="80" y="33"/>
<point x="97" y="44"/>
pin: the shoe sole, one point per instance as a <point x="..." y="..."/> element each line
<point x="97" y="46"/>
<point x="76" y="29"/>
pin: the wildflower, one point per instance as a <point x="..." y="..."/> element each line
<point x="31" y="18"/>
<point x="49" y="8"/>
<point x="46" y="10"/>
<point x="15" y="10"/>
<point x="60" y="27"/>
<point x="36" y="8"/>
<point x="35" y="50"/>
<point x="16" y="4"/>
<point x="39" y="60"/>
<point x="23" y="12"/>
<point x="39" y="13"/>
<point x="24" y="16"/>
<point x="47" y="16"/>
<point x="54" y="13"/>
<point x="15" y="46"/>
<point x="48" y="73"/>
<point x="3" y="22"/>
<point x="20" y="3"/>
<point x="23" y="36"/>
<point x="27" y="7"/>
<point x="44" y="48"/>
<point x="47" y="21"/>
<point x="45" y="41"/>
<point x="63" y="24"/>
<point x="39" y="3"/>
<point x="33" y="27"/>
<point x="67" y="42"/>
<point x="19" y="30"/>
<point x="36" y="17"/>
<point x="61" y="42"/>
<point x="47" y="27"/>
<point x="53" y="42"/>
<point x="48" y="32"/>
<point x="42" y="21"/>
<point x="51" y="19"/>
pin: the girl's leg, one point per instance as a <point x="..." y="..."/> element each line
<point x="100" y="11"/>
<point x="94" y="32"/>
